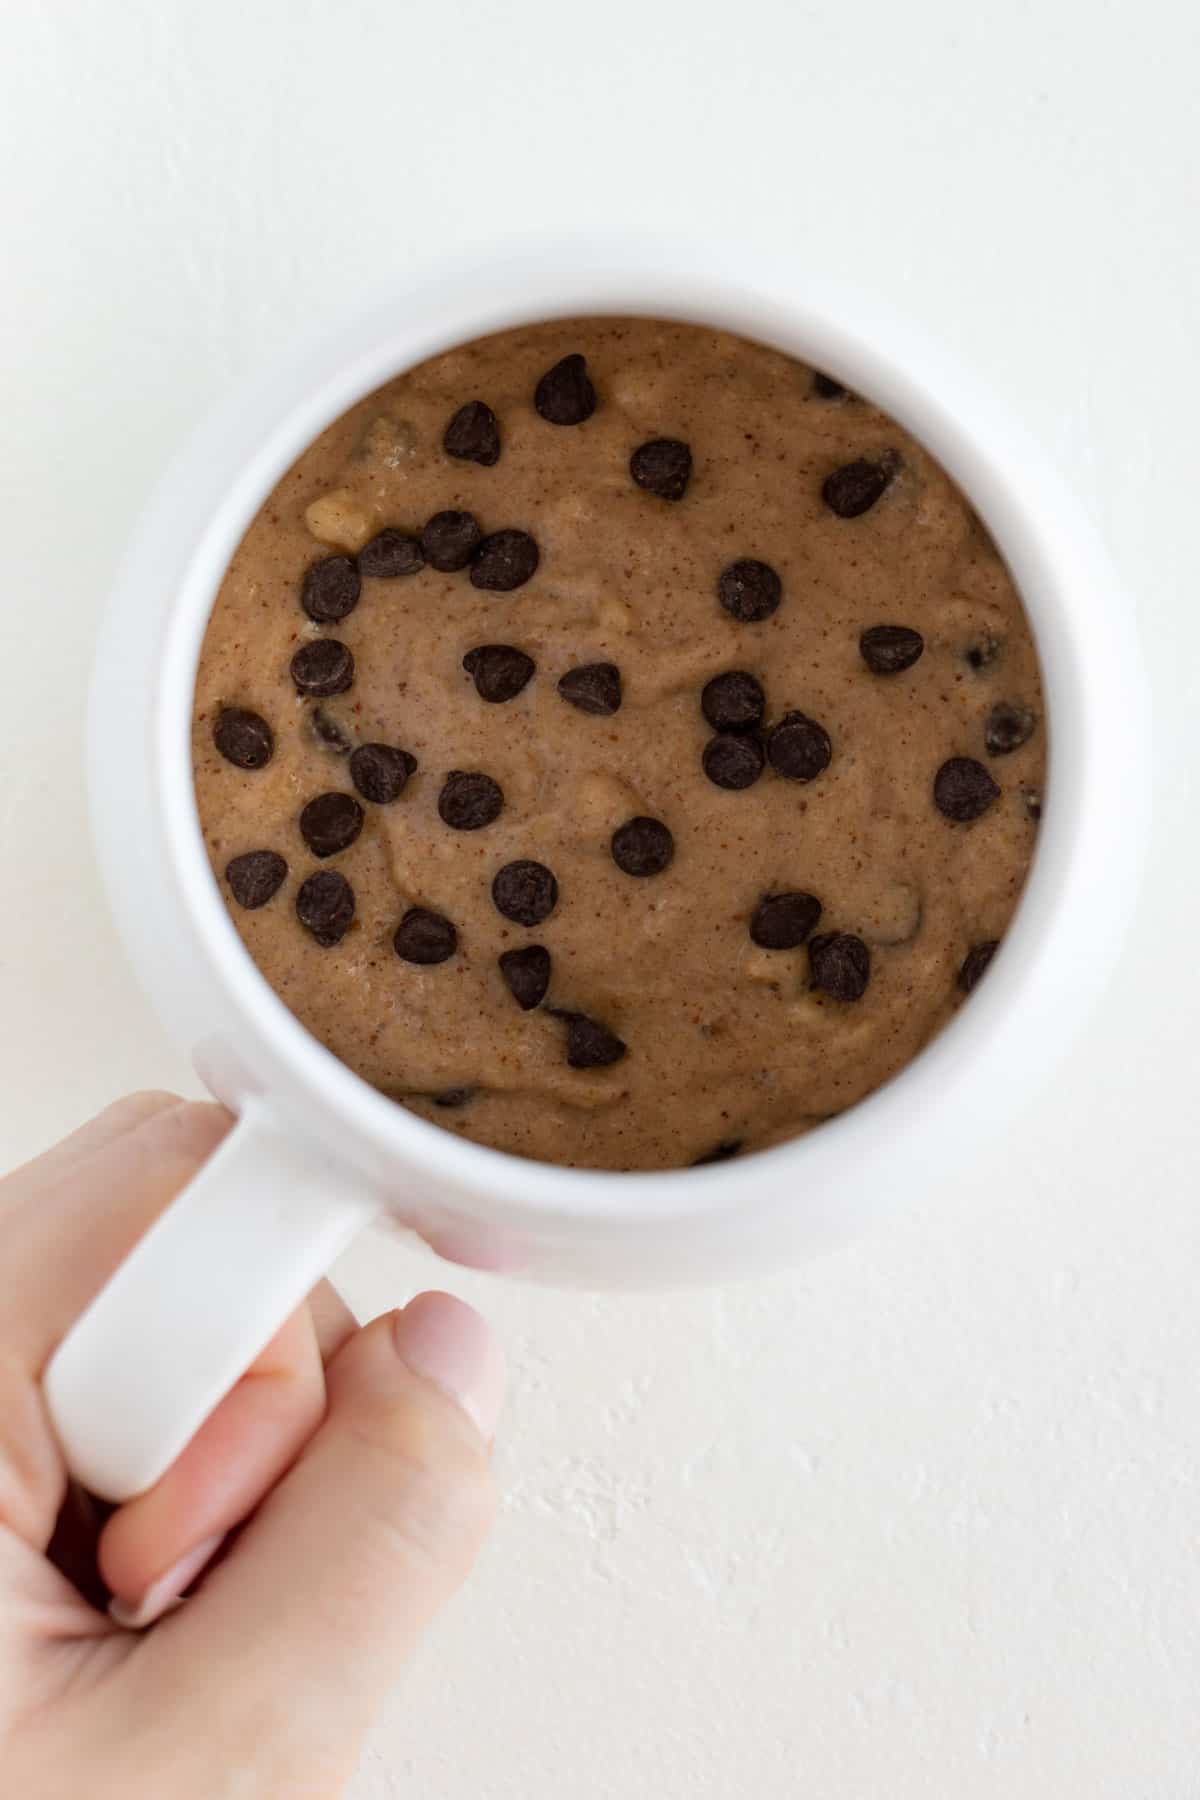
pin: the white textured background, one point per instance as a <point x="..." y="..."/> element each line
<point x="921" y="1520"/>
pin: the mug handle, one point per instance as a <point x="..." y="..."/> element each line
<point x="195" y="1302"/>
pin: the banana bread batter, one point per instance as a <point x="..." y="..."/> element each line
<point x="619" y="744"/>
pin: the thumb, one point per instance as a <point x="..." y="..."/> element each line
<point x="311" y="1615"/>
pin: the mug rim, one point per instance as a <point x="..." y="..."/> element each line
<point x="801" y="318"/>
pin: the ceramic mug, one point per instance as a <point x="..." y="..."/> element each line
<point x="316" y="1153"/>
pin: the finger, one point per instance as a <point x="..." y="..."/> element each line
<point x="68" y="1225"/>
<point x="116" y="1121"/>
<point x="378" y="1522"/>
<point x="152" y="1547"/>
<point x="332" y="1318"/>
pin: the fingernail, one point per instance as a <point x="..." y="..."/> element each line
<point x="164" y="1593"/>
<point x="447" y="1342"/>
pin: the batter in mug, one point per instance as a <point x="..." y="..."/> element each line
<point x="619" y="743"/>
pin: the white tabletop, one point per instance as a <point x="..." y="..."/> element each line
<point x="921" y="1519"/>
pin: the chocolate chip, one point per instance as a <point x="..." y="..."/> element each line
<point x="841" y="965"/>
<point x="890" y="649"/>
<point x="733" y="702"/>
<point x="504" y="560"/>
<point x="425" y="937"/>
<point x="799" y="748"/>
<point x="527" y="973"/>
<point x="749" y="590"/>
<point x="1006" y="728"/>
<point x="733" y="760"/>
<point x="826" y="388"/>
<point x="469" y="800"/>
<point x="243" y="737"/>
<point x="256" y="877"/>
<point x="975" y="964"/>
<point x="380" y="772"/>
<point x="525" y="892"/>
<point x="473" y="435"/>
<point x="1033" y="803"/>
<point x="323" y="668"/>
<point x="393" y="552"/>
<point x="662" y="467"/>
<point x="983" y="652"/>
<point x="499" y="671"/>
<point x="451" y="1097"/>
<point x="325" y="905"/>
<point x="642" y="847"/>
<point x="330" y="589"/>
<point x="327" y="731"/>
<point x="565" y="395"/>
<point x="590" y="1045"/>
<point x="783" y="921"/>
<point x="963" y="789"/>
<point x="719" y="1153"/>
<point x="450" y="540"/>
<point x="856" y="486"/>
<point x="330" y="823"/>
<point x="593" y="688"/>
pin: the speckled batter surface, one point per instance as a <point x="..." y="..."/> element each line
<point x="721" y="1045"/>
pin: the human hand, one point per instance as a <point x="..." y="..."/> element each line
<point x="354" y="1464"/>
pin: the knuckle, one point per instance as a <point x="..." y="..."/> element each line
<point x="193" y="1129"/>
<point x="136" y="1109"/>
<point x="440" y="1484"/>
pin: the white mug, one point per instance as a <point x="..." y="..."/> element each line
<point x="316" y="1153"/>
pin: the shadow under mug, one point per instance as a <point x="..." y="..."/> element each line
<point x="316" y="1153"/>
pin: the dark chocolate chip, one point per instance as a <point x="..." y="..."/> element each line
<point x="330" y="589"/>
<point x="380" y="772"/>
<point x="662" y="467"/>
<point x="450" y="540"/>
<point x="975" y="964"/>
<point x="733" y="759"/>
<point x="719" y="1153"/>
<point x="425" y="937"/>
<point x="642" y="846"/>
<point x="593" y="688"/>
<point x="890" y="649"/>
<point x="733" y="702"/>
<point x="469" y="800"/>
<point x="963" y="789"/>
<point x="1033" y="803"/>
<point x="749" y="590"/>
<point x="325" y="905"/>
<point x="826" y="388"/>
<point x="856" y="486"/>
<point x="841" y="965"/>
<point x="527" y="973"/>
<point x="590" y="1045"/>
<point x="243" y="737"/>
<point x="393" y="552"/>
<point x="799" y="748"/>
<point x="328" y="731"/>
<point x="504" y="560"/>
<point x="323" y="668"/>
<point x="983" y="652"/>
<point x="330" y="823"/>
<point x="256" y="877"/>
<point x="499" y="671"/>
<point x="1006" y="728"/>
<point x="783" y="921"/>
<point x="565" y="395"/>
<point x="525" y="892"/>
<point x="473" y="435"/>
<point x="451" y="1097"/>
